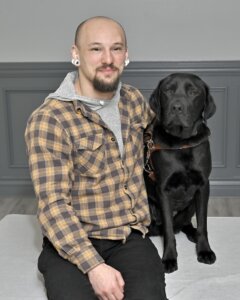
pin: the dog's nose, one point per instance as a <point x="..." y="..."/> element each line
<point x="177" y="108"/>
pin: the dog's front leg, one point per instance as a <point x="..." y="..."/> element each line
<point x="169" y="253"/>
<point x="204" y="251"/>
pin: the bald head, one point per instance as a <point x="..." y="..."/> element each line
<point x="96" y="22"/>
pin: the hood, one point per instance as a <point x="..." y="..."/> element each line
<point x="66" y="92"/>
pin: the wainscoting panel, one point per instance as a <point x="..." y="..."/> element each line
<point x="238" y="131"/>
<point x="23" y="87"/>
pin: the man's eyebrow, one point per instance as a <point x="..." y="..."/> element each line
<point x="94" y="44"/>
<point x="119" y="43"/>
<point x="100" y="44"/>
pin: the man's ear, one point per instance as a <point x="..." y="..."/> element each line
<point x="74" y="51"/>
<point x="126" y="62"/>
<point x="210" y="107"/>
<point x="126" y="54"/>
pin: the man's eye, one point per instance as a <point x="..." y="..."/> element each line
<point x="118" y="49"/>
<point x="95" y="49"/>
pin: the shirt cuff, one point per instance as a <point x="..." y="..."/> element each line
<point x="87" y="259"/>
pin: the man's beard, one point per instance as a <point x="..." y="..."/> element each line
<point x="102" y="86"/>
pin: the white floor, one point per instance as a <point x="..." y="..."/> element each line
<point x="21" y="241"/>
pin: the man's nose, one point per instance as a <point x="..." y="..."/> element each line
<point x="107" y="57"/>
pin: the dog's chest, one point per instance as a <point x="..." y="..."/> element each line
<point x="183" y="179"/>
<point x="182" y="186"/>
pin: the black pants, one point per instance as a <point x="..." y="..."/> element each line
<point x="137" y="260"/>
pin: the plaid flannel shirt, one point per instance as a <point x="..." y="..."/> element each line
<point x="85" y="189"/>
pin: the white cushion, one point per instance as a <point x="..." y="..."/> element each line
<point x="21" y="240"/>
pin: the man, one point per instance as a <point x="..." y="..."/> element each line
<point x="86" y="159"/>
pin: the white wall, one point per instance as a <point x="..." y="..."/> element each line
<point x="157" y="30"/>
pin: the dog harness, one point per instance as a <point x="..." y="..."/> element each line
<point x="151" y="148"/>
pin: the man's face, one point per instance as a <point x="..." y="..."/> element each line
<point x="102" y="52"/>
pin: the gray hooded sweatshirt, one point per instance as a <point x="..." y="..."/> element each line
<point x="107" y="109"/>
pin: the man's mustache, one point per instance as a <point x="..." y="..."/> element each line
<point x="107" y="66"/>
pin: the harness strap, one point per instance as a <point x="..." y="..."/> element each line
<point x="148" y="166"/>
<point x="151" y="148"/>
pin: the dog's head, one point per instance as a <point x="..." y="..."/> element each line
<point x="181" y="102"/>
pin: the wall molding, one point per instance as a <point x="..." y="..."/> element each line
<point x="224" y="92"/>
<point x="238" y="131"/>
<point x="58" y="68"/>
<point x="28" y="83"/>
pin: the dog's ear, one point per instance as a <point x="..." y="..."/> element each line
<point x="210" y="107"/>
<point x="154" y="101"/>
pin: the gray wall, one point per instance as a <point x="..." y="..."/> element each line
<point x="157" y="30"/>
<point x="163" y="36"/>
<point x="23" y="87"/>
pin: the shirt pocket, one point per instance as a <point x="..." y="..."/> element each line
<point x="90" y="156"/>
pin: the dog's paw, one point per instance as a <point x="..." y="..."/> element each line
<point x="206" y="257"/>
<point x="170" y="265"/>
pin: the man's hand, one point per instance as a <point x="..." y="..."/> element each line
<point x="107" y="282"/>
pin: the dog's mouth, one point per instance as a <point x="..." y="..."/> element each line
<point x="179" y="128"/>
<point x="182" y="130"/>
<point x="178" y="123"/>
<point x="179" y="131"/>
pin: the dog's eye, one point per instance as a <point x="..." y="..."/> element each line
<point x="193" y="92"/>
<point x="169" y="91"/>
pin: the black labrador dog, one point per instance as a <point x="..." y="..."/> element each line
<point x="178" y="164"/>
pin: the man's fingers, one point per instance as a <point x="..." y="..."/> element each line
<point x="120" y="280"/>
<point x="107" y="282"/>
